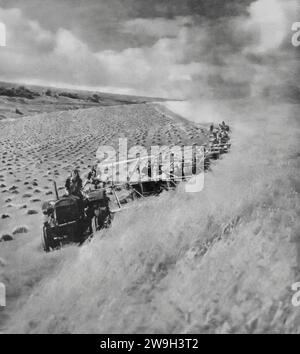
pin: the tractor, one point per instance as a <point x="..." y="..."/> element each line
<point x="72" y="219"/>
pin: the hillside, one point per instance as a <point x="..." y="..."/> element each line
<point x="23" y="100"/>
<point x="219" y="261"/>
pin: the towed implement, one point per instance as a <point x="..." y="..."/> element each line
<point x="75" y="219"/>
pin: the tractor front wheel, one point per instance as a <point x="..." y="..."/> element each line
<point x="45" y="240"/>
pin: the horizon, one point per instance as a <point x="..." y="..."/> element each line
<point x="103" y="90"/>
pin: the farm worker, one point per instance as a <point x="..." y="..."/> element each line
<point x="91" y="177"/>
<point x="212" y="127"/>
<point x="225" y="126"/>
<point x="92" y="174"/>
<point x="68" y="186"/>
<point x="74" y="184"/>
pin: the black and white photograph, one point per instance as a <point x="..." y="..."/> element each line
<point x="149" y="169"/>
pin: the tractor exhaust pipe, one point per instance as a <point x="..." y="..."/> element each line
<point x="55" y="190"/>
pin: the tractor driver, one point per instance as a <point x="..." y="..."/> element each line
<point x="74" y="184"/>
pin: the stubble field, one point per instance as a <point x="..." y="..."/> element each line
<point x="221" y="261"/>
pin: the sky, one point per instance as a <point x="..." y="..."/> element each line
<point x="167" y="48"/>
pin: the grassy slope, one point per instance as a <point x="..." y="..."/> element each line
<point x="41" y="103"/>
<point x="218" y="261"/>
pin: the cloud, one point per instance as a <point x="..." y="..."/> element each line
<point x="26" y="34"/>
<point x="157" y="27"/>
<point x="270" y="21"/>
<point x="188" y="56"/>
<point x="270" y="51"/>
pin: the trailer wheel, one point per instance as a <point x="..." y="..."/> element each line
<point x="108" y="221"/>
<point x="103" y="221"/>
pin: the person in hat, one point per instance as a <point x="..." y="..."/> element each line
<point x="74" y="184"/>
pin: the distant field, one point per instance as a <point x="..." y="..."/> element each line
<point x="17" y="100"/>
